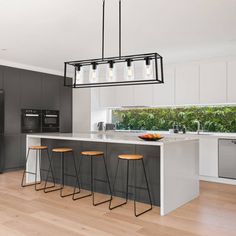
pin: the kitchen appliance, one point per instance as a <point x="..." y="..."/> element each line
<point x="30" y="121"/>
<point x="110" y="126"/>
<point x="100" y="126"/>
<point x="227" y="158"/>
<point x="1" y="130"/>
<point x="50" y="121"/>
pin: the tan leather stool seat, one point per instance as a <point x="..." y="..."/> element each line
<point x="130" y="156"/>
<point x="92" y="153"/>
<point x="38" y="147"/>
<point x="61" y="150"/>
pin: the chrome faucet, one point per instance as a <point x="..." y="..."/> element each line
<point x="198" y="126"/>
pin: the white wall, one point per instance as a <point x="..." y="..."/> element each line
<point x="81" y="110"/>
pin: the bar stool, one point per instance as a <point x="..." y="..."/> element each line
<point x="38" y="150"/>
<point x="62" y="152"/>
<point x="91" y="155"/>
<point x="128" y="158"/>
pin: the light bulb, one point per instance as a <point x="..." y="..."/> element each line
<point x="78" y="75"/>
<point x="130" y="72"/>
<point x="93" y="76"/>
<point x="111" y="71"/>
<point x="148" y="71"/>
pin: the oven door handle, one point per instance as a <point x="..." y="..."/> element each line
<point x="51" y="116"/>
<point x="32" y="115"/>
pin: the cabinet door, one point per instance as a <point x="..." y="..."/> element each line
<point x="12" y="152"/>
<point x="51" y="92"/>
<point x="124" y="96"/>
<point x="187" y="85"/>
<point x="213" y="83"/>
<point x="208" y="156"/>
<point x="31" y="87"/>
<point x="12" y="100"/>
<point x="231" y="82"/>
<point x="65" y="108"/>
<point x="1" y="77"/>
<point x="164" y="94"/>
<point x="143" y="95"/>
<point x="107" y="97"/>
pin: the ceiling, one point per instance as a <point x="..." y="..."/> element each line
<point x="46" y="33"/>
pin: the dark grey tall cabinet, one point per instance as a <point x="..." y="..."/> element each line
<point x="28" y="89"/>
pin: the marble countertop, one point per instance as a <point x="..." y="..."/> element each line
<point x="110" y="137"/>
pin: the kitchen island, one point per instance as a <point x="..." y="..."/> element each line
<point x="172" y="164"/>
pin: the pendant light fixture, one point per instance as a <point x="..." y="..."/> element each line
<point x="120" y="70"/>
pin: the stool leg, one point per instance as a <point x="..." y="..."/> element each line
<point x="127" y="186"/>
<point x="55" y="189"/>
<point x="50" y="168"/>
<point x="149" y="195"/>
<point x="36" y="172"/>
<point x="63" y="176"/>
<point x="109" y="200"/>
<point x="90" y="194"/>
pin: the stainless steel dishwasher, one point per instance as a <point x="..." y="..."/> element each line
<point x="227" y="158"/>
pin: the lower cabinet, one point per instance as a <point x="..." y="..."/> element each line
<point x="208" y="156"/>
<point x="12" y="151"/>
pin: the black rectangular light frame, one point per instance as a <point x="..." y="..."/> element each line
<point x="158" y="62"/>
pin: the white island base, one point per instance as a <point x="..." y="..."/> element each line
<point x="179" y="163"/>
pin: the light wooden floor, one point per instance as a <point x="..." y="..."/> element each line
<point x="26" y="212"/>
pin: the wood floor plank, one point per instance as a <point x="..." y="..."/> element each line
<point x="24" y="211"/>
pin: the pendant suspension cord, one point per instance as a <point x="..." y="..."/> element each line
<point x="103" y="28"/>
<point x="120" y="28"/>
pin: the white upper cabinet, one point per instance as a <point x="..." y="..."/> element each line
<point x="213" y="83"/>
<point x="231" y="90"/>
<point x="107" y="97"/>
<point x="143" y="95"/>
<point x="187" y="84"/>
<point x="164" y="94"/>
<point x="124" y="96"/>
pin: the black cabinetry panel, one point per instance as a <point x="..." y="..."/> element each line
<point x="1" y="77"/>
<point x="12" y="152"/>
<point x="50" y="92"/>
<point x="12" y="100"/>
<point x="65" y="108"/>
<point x="31" y="84"/>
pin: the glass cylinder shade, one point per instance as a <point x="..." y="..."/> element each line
<point x="148" y="70"/>
<point x="93" y="74"/>
<point x="129" y="72"/>
<point x="79" y="75"/>
<point x="111" y="72"/>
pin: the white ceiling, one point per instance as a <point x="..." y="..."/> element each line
<point x="46" y="33"/>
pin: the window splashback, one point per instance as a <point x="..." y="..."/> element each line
<point x="212" y="119"/>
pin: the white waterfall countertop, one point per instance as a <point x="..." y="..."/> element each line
<point x="111" y="137"/>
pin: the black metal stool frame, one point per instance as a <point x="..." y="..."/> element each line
<point x="92" y="182"/>
<point x="38" y="160"/>
<point x="63" y="174"/>
<point x="135" y="186"/>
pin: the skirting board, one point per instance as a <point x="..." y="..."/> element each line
<point x="217" y="180"/>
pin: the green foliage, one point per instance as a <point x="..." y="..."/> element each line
<point x="213" y="119"/>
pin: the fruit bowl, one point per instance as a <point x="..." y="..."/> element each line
<point x="150" y="137"/>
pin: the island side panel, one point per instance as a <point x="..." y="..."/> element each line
<point x="31" y="163"/>
<point x="179" y="174"/>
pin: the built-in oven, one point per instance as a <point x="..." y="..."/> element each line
<point x="31" y="121"/>
<point x="50" y="121"/>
